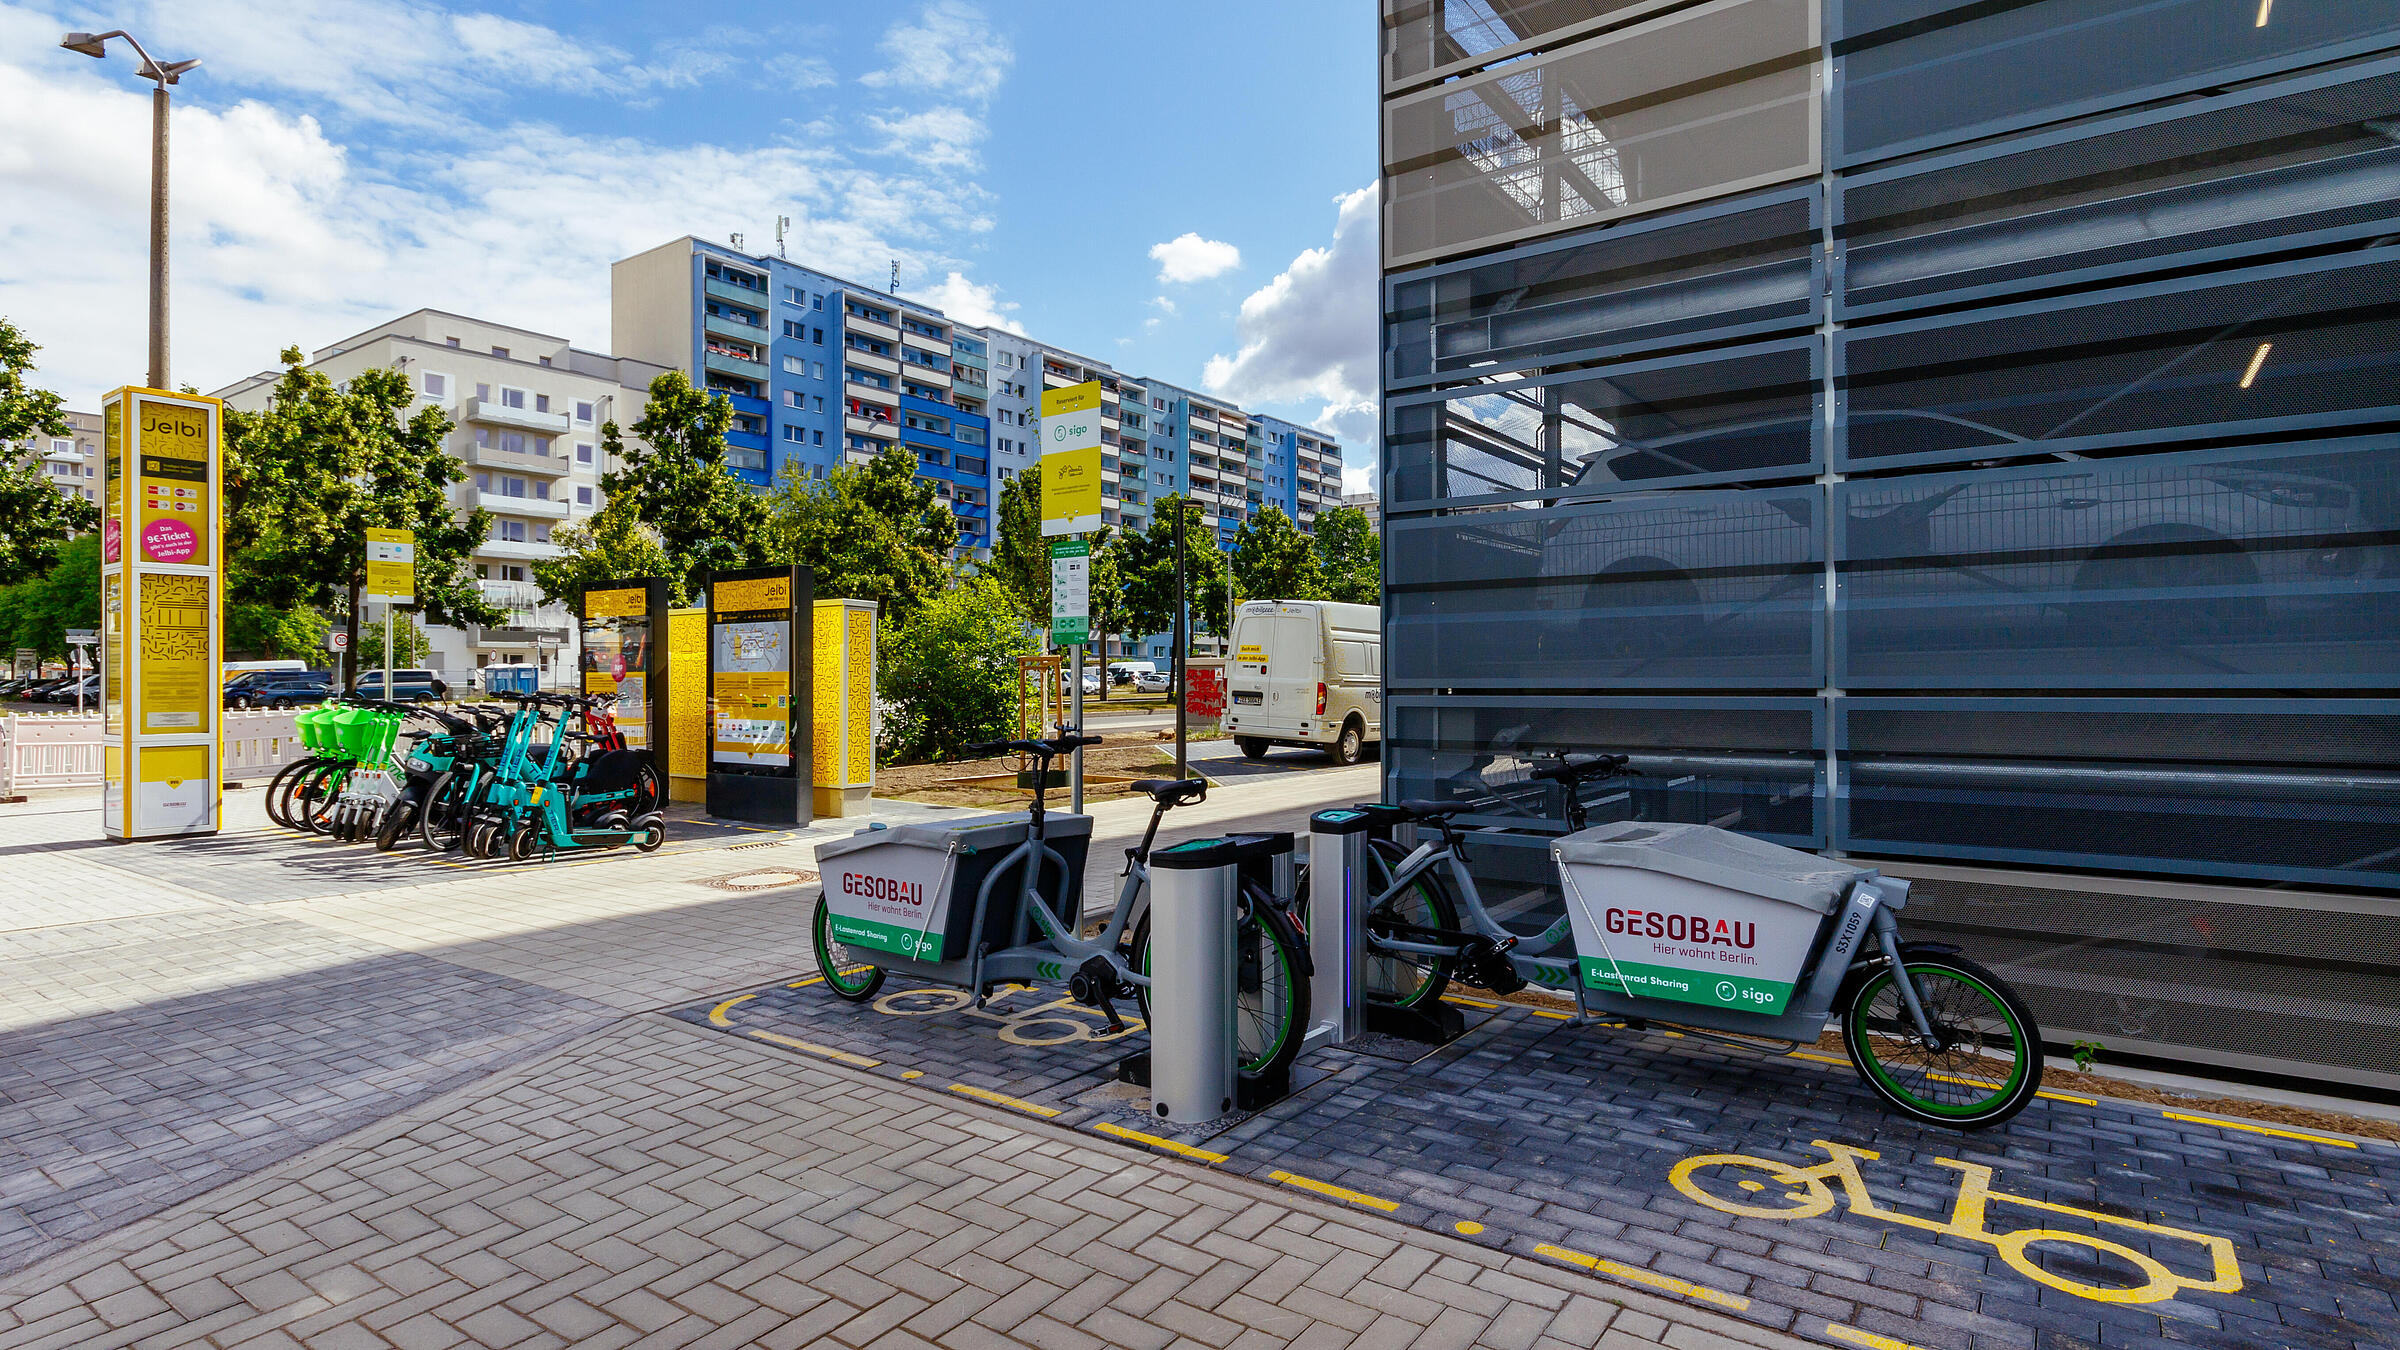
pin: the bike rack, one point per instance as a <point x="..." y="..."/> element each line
<point x="1192" y="1042"/>
<point x="1337" y="896"/>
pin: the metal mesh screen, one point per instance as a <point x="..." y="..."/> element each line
<point x="1698" y="589"/>
<point x="1922" y="73"/>
<point x="1428" y="38"/>
<point x="2265" y="350"/>
<point x="1744" y="413"/>
<point x="2275" y="568"/>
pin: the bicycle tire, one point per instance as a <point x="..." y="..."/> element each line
<point x="398" y="820"/>
<point x="1971" y="1007"/>
<point x="279" y="789"/>
<point x="441" y="820"/>
<point x="318" y="794"/>
<point x="1408" y="980"/>
<point x="841" y="974"/>
<point x="1268" y="1027"/>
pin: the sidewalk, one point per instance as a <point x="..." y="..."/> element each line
<point x="653" y="1185"/>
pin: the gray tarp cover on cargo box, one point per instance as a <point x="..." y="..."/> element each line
<point x="1717" y="857"/>
<point x="1005" y="830"/>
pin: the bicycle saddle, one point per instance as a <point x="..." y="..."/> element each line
<point x="1570" y="768"/>
<point x="1173" y="791"/>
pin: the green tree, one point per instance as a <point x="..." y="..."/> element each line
<point x="705" y="518"/>
<point x="1272" y="560"/>
<point x="410" y="646"/>
<point x="308" y="476"/>
<point x="1146" y="572"/>
<point x="949" y="673"/>
<point x="35" y="517"/>
<point x="266" y="632"/>
<point x="612" y="545"/>
<point x="1020" y="555"/>
<point x="1350" y="555"/>
<point x="872" y="531"/>
<point x="38" y="611"/>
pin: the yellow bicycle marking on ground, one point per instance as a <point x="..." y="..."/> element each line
<point x="1058" y="1022"/>
<point x="1807" y="1196"/>
<point x="1637" y="1275"/>
<point x="1868" y="1339"/>
<point x="716" y="1015"/>
<point x="1327" y="1188"/>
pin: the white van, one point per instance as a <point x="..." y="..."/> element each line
<point x="1306" y="672"/>
<point x="1123" y="672"/>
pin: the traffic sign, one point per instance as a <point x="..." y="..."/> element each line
<point x="1070" y="592"/>
<point x="337" y="641"/>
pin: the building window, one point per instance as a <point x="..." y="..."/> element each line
<point x="791" y="398"/>
<point x="793" y="328"/>
<point x="541" y="403"/>
<point x="583" y="413"/>
<point x="583" y="453"/>
<point x="792" y="433"/>
<point x="436" y="385"/>
<point x="793" y="365"/>
<point x="483" y="393"/>
<point x="816" y="301"/>
<point x="793" y="295"/>
<point x="816" y="403"/>
<point x="501" y="352"/>
<point x="583" y="496"/>
<point x="541" y="532"/>
<point x="545" y="360"/>
<point x="512" y="398"/>
<point x="817" y="336"/>
<point x="541" y="489"/>
<point x="820" y="369"/>
<point x="452" y="342"/>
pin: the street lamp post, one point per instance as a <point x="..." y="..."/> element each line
<point x="164" y="73"/>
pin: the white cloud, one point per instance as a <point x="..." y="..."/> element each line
<point x="972" y="303"/>
<point x="1163" y="305"/>
<point x="1187" y="257"/>
<point x="949" y="48"/>
<point x="1310" y="334"/>
<point x="938" y="138"/>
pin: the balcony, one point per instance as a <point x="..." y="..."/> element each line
<point x="480" y="636"/>
<point x="512" y="595"/>
<point x="726" y="363"/>
<point x="740" y="295"/>
<point x="739" y="439"/>
<point x="925" y="375"/>
<point x="543" y="508"/>
<point x="868" y="393"/>
<point x="517" y="550"/>
<point x="869" y="426"/>
<point x="729" y="325"/>
<point x="493" y="414"/>
<point x="881" y="332"/>
<point x="863" y="360"/>
<point x="517" y="461"/>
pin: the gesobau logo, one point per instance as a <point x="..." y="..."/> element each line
<point x="1696" y="929"/>
<point x="883" y="888"/>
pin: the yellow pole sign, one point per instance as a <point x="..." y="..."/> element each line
<point x="391" y="566"/>
<point x="159" y="601"/>
<point x="1071" y="459"/>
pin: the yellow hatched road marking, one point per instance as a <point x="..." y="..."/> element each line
<point x="1638" y="1275"/>
<point x="2259" y="1129"/>
<point x="1337" y="1192"/>
<point x="844" y="1056"/>
<point x="1171" y="1146"/>
<point x="1867" y="1338"/>
<point x="999" y="1099"/>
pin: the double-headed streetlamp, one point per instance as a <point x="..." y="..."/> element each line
<point x="165" y="73"/>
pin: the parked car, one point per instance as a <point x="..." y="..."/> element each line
<point x="1152" y="681"/>
<point x="67" y="691"/>
<point x="408" y="686"/>
<point x="277" y="688"/>
<point x="1123" y="672"/>
<point x="32" y="690"/>
<point x="1306" y="672"/>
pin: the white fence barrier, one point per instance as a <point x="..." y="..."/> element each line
<point x="53" y="750"/>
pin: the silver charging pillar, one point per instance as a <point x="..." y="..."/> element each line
<point x="1193" y="967"/>
<point x="1337" y="850"/>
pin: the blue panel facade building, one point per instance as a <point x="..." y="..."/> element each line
<point x="1964" y="437"/>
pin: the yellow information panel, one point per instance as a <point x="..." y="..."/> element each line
<point x="1071" y="458"/>
<point x="391" y="566"/>
<point x="843" y="733"/>
<point x="750" y="670"/>
<point x="160" y="600"/>
<point x="687" y="704"/>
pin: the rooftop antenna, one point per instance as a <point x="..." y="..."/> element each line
<point x="782" y="223"/>
<point x="737" y="239"/>
<point x="895" y="276"/>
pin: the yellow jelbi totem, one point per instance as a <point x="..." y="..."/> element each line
<point x="687" y="705"/>
<point x="843" y="729"/>
<point x="160" y="597"/>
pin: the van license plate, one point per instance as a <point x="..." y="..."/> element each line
<point x="1246" y="697"/>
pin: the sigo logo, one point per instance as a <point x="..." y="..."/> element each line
<point x="883" y="888"/>
<point x="1692" y="928"/>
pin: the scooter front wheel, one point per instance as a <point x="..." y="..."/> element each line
<point x="649" y="833"/>
<point x="525" y="842"/>
<point x="844" y="975"/>
<point x="1988" y="1063"/>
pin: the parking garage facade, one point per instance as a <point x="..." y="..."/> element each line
<point x="1961" y="437"/>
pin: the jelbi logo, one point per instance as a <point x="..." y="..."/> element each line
<point x="173" y="424"/>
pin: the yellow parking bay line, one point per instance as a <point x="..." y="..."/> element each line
<point x="1178" y="1149"/>
<point x="1637" y="1275"/>
<point x="840" y="1056"/>
<point x="2260" y="1129"/>
<point x="1337" y="1192"/>
<point x="1000" y="1099"/>
<point x="1867" y="1338"/>
<point x="1969" y="1082"/>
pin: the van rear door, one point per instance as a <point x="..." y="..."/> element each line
<point x="1279" y="656"/>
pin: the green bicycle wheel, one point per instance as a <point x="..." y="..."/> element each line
<point x="1405" y="979"/>
<point x="1988" y="1065"/>
<point x="844" y="974"/>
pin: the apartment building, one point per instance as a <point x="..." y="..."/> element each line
<point x="820" y="371"/>
<point x="71" y="462"/>
<point x="527" y="409"/>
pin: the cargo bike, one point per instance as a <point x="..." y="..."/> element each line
<point x="1722" y="935"/>
<point x="983" y="901"/>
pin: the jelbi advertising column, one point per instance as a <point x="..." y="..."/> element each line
<point x="160" y="535"/>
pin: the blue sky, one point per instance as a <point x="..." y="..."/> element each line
<point x="1179" y="189"/>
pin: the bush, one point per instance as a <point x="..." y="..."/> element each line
<point x="949" y="674"/>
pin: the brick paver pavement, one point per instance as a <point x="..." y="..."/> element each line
<point x="655" y="1185"/>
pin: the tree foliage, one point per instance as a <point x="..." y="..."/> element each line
<point x="612" y="545"/>
<point x="1020" y="555"/>
<point x="704" y="517"/>
<point x="38" y="611"/>
<point x="873" y="531"/>
<point x="949" y="673"/>
<point x="1350" y="556"/>
<point x="271" y="633"/>
<point x="1272" y="560"/>
<point x="1145" y="564"/>
<point x="35" y="517"/>
<point x="306" y="477"/>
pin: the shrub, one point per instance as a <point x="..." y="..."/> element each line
<point x="949" y="673"/>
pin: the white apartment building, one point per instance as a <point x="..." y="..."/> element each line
<point x="527" y="409"/>
<point x="70" y="462"/>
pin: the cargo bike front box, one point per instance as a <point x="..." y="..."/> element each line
<point x="1702" y="926"/>
<point x="923" y="899"/>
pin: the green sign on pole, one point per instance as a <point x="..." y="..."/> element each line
<point x="1070" y="592"/>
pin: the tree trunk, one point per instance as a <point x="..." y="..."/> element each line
<point x="1102" y="634"/>
<point x="350" y="650"/>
